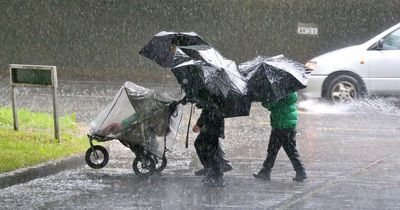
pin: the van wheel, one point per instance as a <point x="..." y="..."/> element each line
<point x="343" y="88"/>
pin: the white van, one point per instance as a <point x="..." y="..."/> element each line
<point x="372" y="68"/>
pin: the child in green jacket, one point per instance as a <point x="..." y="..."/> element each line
<point x="283" y="119"/>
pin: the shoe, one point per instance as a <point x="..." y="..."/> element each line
<point x="214" y="181"/>
<point x="263" y="175"/>
<point x="300" y="177"/>
<point x="227" y="167"/>
<point x="214" y="178"/>
<point x="204" y="180"/>
<point x="200" y="172"/>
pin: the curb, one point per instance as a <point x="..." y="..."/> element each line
<point x="27" y="174"/>
<point x="41" y="170"/>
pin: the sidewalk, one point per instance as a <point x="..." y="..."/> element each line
<point x="41" y="170"/>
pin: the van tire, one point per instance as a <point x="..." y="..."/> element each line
<point x="343" y="88"/>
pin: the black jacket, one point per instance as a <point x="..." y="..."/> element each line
<point x="212" y="122"/>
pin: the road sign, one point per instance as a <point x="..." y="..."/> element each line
<point x="34" y="76"/>
<point x="307" y="29"/>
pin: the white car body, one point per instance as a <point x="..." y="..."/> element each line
<point x="377" y="69"/>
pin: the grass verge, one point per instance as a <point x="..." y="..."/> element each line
<point x="34" y="142"/>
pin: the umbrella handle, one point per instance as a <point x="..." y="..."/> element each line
<point x="187" y="131"/>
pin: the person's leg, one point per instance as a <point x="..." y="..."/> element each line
<point x="274" y="145"/>
<point x="225" y="164"/>
<point x="214" y="172"/>
<point x="289" y="145"/>
<point x="201" y="150"/>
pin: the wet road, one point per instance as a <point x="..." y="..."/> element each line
<point x="350" y="153"/>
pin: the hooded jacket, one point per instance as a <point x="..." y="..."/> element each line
<point x="283" y="112"/>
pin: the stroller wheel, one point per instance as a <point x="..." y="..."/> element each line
<point x="160" y="163"/>
<point x="144" y="168"/>
<point x="96" y="158"/>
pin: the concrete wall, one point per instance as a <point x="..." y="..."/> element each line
<point x="100" y="40"/>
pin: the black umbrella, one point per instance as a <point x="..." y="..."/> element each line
<point x="211" y="57"/>
<point x="162" y="47"/>
<point x="208" y="85"/>
<point x="272" y="78"/>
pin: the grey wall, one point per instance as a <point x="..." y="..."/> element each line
<point x="100" y="40"/>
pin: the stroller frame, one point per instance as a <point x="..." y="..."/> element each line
<point x="144" y="164"/>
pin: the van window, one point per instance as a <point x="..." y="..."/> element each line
<point x="392" y="41"/>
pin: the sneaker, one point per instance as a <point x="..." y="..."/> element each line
<point x="214" y="181"/>
<point x="204" y="180"/>
<point x="226" y="167"/>
<point x="200" y="172"/>
<point x="263" y="175"/>
<point x="300" y="177"/>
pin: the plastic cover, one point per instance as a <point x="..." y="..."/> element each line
<point x="138" y="115"/>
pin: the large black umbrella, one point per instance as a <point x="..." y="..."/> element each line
<point x="211" y="57"/>
<point x="272" y="78"/>
<point x="207" y="77"/>
<point x="208" y="85"/>
<point x="162" y="47"/>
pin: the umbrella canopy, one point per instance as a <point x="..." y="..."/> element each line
<point x="219" y="70"/>
<point x="272" y="78"/>
<point x="162" y="47"/>
<point x="206" y="84"/>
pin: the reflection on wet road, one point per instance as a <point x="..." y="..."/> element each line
<point x="351" y="157"/>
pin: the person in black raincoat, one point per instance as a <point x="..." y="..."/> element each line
<point x="210" y="127"/>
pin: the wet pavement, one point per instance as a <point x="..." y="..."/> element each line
<point x="351" y="156"/>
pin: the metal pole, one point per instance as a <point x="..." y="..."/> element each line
<point x="187" y="131"/>
<point x="15" y="113"/>
<point x="55" y="113"/>
<point x="56" y="126"/>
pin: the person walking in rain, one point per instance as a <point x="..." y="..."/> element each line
<point x="283" y="119"/>
<point x="210" y="127"/>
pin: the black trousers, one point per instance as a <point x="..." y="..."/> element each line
<point x="285" y="138"/>
<point x="209" y="152"/>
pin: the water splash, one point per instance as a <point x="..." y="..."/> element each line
<point x="370" y="106"/>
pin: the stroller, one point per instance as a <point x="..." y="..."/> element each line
<point x="141" y="120"/>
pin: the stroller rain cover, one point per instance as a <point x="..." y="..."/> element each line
<point x="140" y="116"/>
